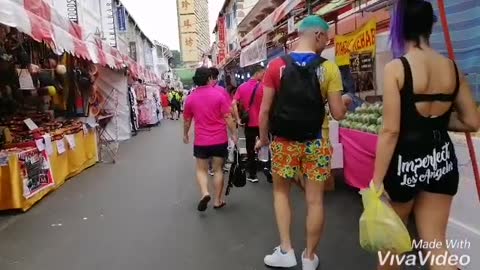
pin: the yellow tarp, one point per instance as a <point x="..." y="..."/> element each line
<point x="64" y="166"/>
<point x="360" y="41"/>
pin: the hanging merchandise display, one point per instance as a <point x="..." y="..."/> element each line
<point x="132" y="99"/>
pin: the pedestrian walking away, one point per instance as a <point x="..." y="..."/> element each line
<point x="222" y="91"/>
<point x="167" y="110"/>
<point x="212" y="115"/>
<point x="246" y="103"/>
<point x="300" y="83"/>
<point x="424" y="97"/>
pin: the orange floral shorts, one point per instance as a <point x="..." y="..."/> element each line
<point x="311" y="158"/>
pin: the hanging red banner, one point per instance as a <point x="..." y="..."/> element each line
<point x="222" y="52"/>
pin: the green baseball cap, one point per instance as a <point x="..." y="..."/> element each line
<point x="313" y="22"/>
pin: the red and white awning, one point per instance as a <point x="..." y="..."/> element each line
<point x="270" y="21"/>
<point x="43" y="23"/>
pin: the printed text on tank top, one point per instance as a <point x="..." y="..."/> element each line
<point x="429" y="156"/>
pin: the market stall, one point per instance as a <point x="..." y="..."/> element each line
<point x="43" y="141"/>
<point x="148" y="104"/>
<point x="29" y="172"/>
<point x="61" y="91"/>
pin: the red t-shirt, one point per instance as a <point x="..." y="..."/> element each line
<point x="165" y="102"/>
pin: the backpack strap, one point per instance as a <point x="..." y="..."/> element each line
<point x="252" y="97"/>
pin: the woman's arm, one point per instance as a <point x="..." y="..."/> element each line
<point x="466" y="118"/>
<point x="387" y="140"/>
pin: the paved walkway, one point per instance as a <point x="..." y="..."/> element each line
<point x="140" y="214"/>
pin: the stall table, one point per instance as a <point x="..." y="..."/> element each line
<point x="358" y="156"/>
<point x="62" y="167"/>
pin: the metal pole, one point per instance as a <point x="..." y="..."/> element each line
<point x="451" y="53"/>
<point x="309" y="7"/>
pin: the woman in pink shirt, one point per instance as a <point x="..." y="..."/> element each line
<point x="211" y="113"/>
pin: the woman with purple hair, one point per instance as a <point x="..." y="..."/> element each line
<point x="425" y="96"/>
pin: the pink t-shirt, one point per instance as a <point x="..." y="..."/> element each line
<point x="243" y="95"/>
<point x="208" y="109"/>
<point x="223" y="92"/>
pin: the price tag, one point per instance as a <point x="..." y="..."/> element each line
<point x="40" y="145"/>
<point x="61" y="146"/>
<point x="48" y="144"/>
<point x="71" y="141"/>
<point x="25" y="80"/>
<point x="30" y="124"/>
<point x="291" y="25"/>
<point x="3" y="160"/>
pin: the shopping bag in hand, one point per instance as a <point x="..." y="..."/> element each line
<point x="381" y="229"/>
<point x="237" y="176"/>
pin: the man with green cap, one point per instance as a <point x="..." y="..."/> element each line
<point x="296" y="89"/>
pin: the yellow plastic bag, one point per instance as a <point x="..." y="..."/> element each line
<point x="381" y="229"/>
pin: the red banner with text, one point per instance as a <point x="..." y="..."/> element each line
<point x="222" y="41"/>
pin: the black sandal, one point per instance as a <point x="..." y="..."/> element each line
<point x="220" y="206"/>
<point x="202" y="205"/>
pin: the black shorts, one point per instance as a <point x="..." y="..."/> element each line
<point x="206" y="152"/>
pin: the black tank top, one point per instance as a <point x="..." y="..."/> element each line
<point x="424" y="153"/>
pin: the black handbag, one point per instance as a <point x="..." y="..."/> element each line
<point x="237" y="176"/>
<point x="245" y="115"/>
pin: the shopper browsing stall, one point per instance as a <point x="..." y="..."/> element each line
<point x="246" y="103"/>
<point x="425" y="95"/>
<point x="212" y="114"/>
<point x="300" y="83"/>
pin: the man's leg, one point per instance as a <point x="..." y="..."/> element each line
<point x="251" y="135"/>
<point x="314" y="191"/>
<point x="283" y="212"/>
<point x="285" y="163"/>
<point x="316" y="166"/>
<point x="218" y="180"/>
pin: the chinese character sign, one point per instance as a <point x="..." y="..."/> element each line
<point x="185" y="6"/>
<point x="188" y="23"/>
<point x="190" y="47"/>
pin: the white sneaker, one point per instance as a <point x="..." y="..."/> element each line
<point x="308" y="264"/>
<point x="278" y="259"/>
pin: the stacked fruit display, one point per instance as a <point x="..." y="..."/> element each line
<point x="366" y="118"/>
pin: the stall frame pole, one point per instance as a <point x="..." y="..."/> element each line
<point x="451" y="53"/>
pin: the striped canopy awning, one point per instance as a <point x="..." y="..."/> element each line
<point x="43" y="23"/>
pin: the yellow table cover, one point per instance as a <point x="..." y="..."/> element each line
<point x="63" y="166"/>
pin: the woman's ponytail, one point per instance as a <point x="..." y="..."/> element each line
<point x="411" y="20"/>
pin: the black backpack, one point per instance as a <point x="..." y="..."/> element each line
<point x="299" y="110"/>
